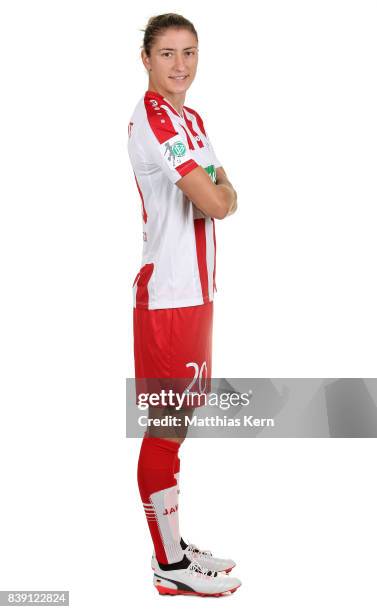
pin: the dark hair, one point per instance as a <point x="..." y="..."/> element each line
<point x="158" y="24"/>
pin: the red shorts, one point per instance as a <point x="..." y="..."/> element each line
<point x="174" y="344"/>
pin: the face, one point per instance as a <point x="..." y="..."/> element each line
<point x="173" y="60"/>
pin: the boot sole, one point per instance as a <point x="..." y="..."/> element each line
<point x="166" y="591"/>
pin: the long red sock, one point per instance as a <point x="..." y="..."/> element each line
<point x="176" y="470"/>
<point x="159" y="494"/>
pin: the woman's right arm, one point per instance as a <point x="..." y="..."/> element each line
<point x="217" y="201"/>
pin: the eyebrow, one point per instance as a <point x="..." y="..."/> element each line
<point x="186" y="49"/>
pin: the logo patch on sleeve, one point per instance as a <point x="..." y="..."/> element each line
<point x="179" y="149"/>
<point x="174" y="151"/>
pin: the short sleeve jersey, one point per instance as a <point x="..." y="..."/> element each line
<point x="178" y="265"/>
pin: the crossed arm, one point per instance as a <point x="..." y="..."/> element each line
<point x="218" y="200"/>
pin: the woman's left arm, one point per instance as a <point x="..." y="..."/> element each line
<point x="222" y="179"/>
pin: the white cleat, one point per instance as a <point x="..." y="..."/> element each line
<point x="194" y="580"/>
<point x="204" y="558"/>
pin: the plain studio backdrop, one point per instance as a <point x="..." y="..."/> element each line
<point x="288" y="94"/>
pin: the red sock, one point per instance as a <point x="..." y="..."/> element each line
<point x="176" y="470"/>
<point x="159" y="494"/>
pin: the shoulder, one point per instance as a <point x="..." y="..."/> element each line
<point x="159" y="121"/>
<point x="150" y="122"/>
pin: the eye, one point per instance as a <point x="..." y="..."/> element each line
<point x="166" y="53"/>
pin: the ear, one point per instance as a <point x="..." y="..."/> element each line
<point x="145" y="60"/>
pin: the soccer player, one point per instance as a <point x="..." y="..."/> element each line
<point x="183" y="189"/>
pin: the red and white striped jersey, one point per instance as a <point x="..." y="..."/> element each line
<point x="179" y="243"/>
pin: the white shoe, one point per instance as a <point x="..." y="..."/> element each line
<point x="204" y="558"/>
<point x="194" y="580"/>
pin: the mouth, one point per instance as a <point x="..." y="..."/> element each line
<point x="179" y="78"/>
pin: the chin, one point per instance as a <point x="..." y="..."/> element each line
<point x="178" y="87"/>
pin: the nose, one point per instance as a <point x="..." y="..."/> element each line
<point x="179" y="63"/>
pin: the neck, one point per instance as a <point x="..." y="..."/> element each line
<point x="176" y="100"/>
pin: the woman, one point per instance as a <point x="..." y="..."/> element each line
<point x="183" y="189"/>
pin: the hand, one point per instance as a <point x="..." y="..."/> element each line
<point x="222" y="179"/>
<point x="233" y="207"/>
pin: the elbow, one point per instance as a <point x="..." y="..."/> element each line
<point x="220" y="210"/>
<point x="220" y="213"/>
<point x="225" y="207"/>
<point x="223" y="210"/>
